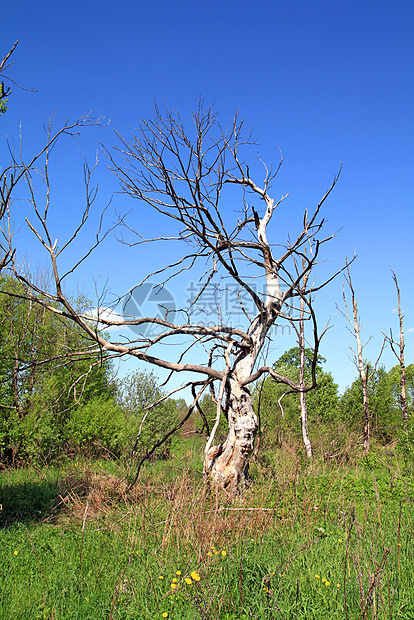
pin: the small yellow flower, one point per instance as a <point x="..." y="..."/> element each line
<point x="327" y="583"/>
<point x="337" y="585"/>
<point x="161" y="577"/>
<point x="173" y="586"/>
<point x="15" y="552"/>
<point x="340" y="540"/>
<point x="209" y="553"/>
<point x="317" y="576"/>
<point x="215" y="552"/>
<point x="165" y="614"/>
<point x="178" y="572"/>
<point x="175" y="580"/>
<point x="323" y="580"/>
<point x="188" y="581"/>
<point x="224" y="553"/>
<point x="195" y="576"/>
<point x="398" y="544"/>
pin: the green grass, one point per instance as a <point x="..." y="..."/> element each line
<point x="311" y="542"/>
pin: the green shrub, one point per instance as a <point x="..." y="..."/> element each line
<point x="99" y="423"/>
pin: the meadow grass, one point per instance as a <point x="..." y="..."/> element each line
<point x="317" y="541"/>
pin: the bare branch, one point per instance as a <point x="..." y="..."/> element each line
<point x="180" y="173"/>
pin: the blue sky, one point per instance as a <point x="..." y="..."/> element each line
<point x="325" y="82"/>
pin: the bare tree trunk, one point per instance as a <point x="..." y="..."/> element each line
<point x="399" y="354"/>
<point x="367" y="417"/>
<point x="304" y="423"/>
<point x="359" y="360"/>
<point x="403" y="398"/>
<point x="228" y="463"/>
<point x="303" y="409"/>
<point x="362" y="373"/>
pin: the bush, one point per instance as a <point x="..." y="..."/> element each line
<point x="99" y="423"/>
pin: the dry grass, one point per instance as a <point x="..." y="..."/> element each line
<point x="176" y="514"/>
<point x="87" y="495"/>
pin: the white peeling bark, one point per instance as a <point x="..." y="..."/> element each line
<point x="226" y="465"/>
<point x="228" y="462"/>
<point x="303" y="409"/>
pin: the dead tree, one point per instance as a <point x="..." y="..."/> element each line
<point x="186" y="176"/>
<point x="397" y="347"/>
<point x="302" y="395"/>
<point x="300" y="331"/>
<point x="364" y="370"/>
<point x="306" y="313"/>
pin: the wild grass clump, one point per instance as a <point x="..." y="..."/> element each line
<point x="325" y="541"/>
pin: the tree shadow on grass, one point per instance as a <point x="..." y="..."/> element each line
<point x="26" y="502"/>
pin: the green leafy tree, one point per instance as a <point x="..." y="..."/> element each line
<point x="96" y="425"/>
<point x="280" y="410"/>
<point x="39" y="386"/>
<point x="144" y="424"/>
<point x="395" y="379"/>
<point x="383" y="393"/>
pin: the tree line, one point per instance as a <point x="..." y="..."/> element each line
<point x="66" y="406"/>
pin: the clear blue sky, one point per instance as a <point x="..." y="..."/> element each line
<point x="325" y="82"/>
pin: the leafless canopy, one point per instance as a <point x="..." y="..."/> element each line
<point x="190" y="176"/>
<point x="184" y="179"/>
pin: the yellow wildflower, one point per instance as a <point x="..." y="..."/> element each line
<point x="323" y="580"/>
<point x="165" y="614"/>
<point x="161" y="577"/>
<point x="178" y="572"/>
<point x="175" y="580"/>
<point x="337" y="585"/>
<point x="188" y="581"/>
<point x="195" y="576"/>
<point x="317" y="576"/>
<point x="173" y="586"/>
<point x="209" y="553"/>
<point x="224" y="553"/>
<point x="327" y="583"/>
<point x="340" y="540"/>
<point x="15" y="552"/>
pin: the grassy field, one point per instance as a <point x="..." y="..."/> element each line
<point x="326" y="541"/>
